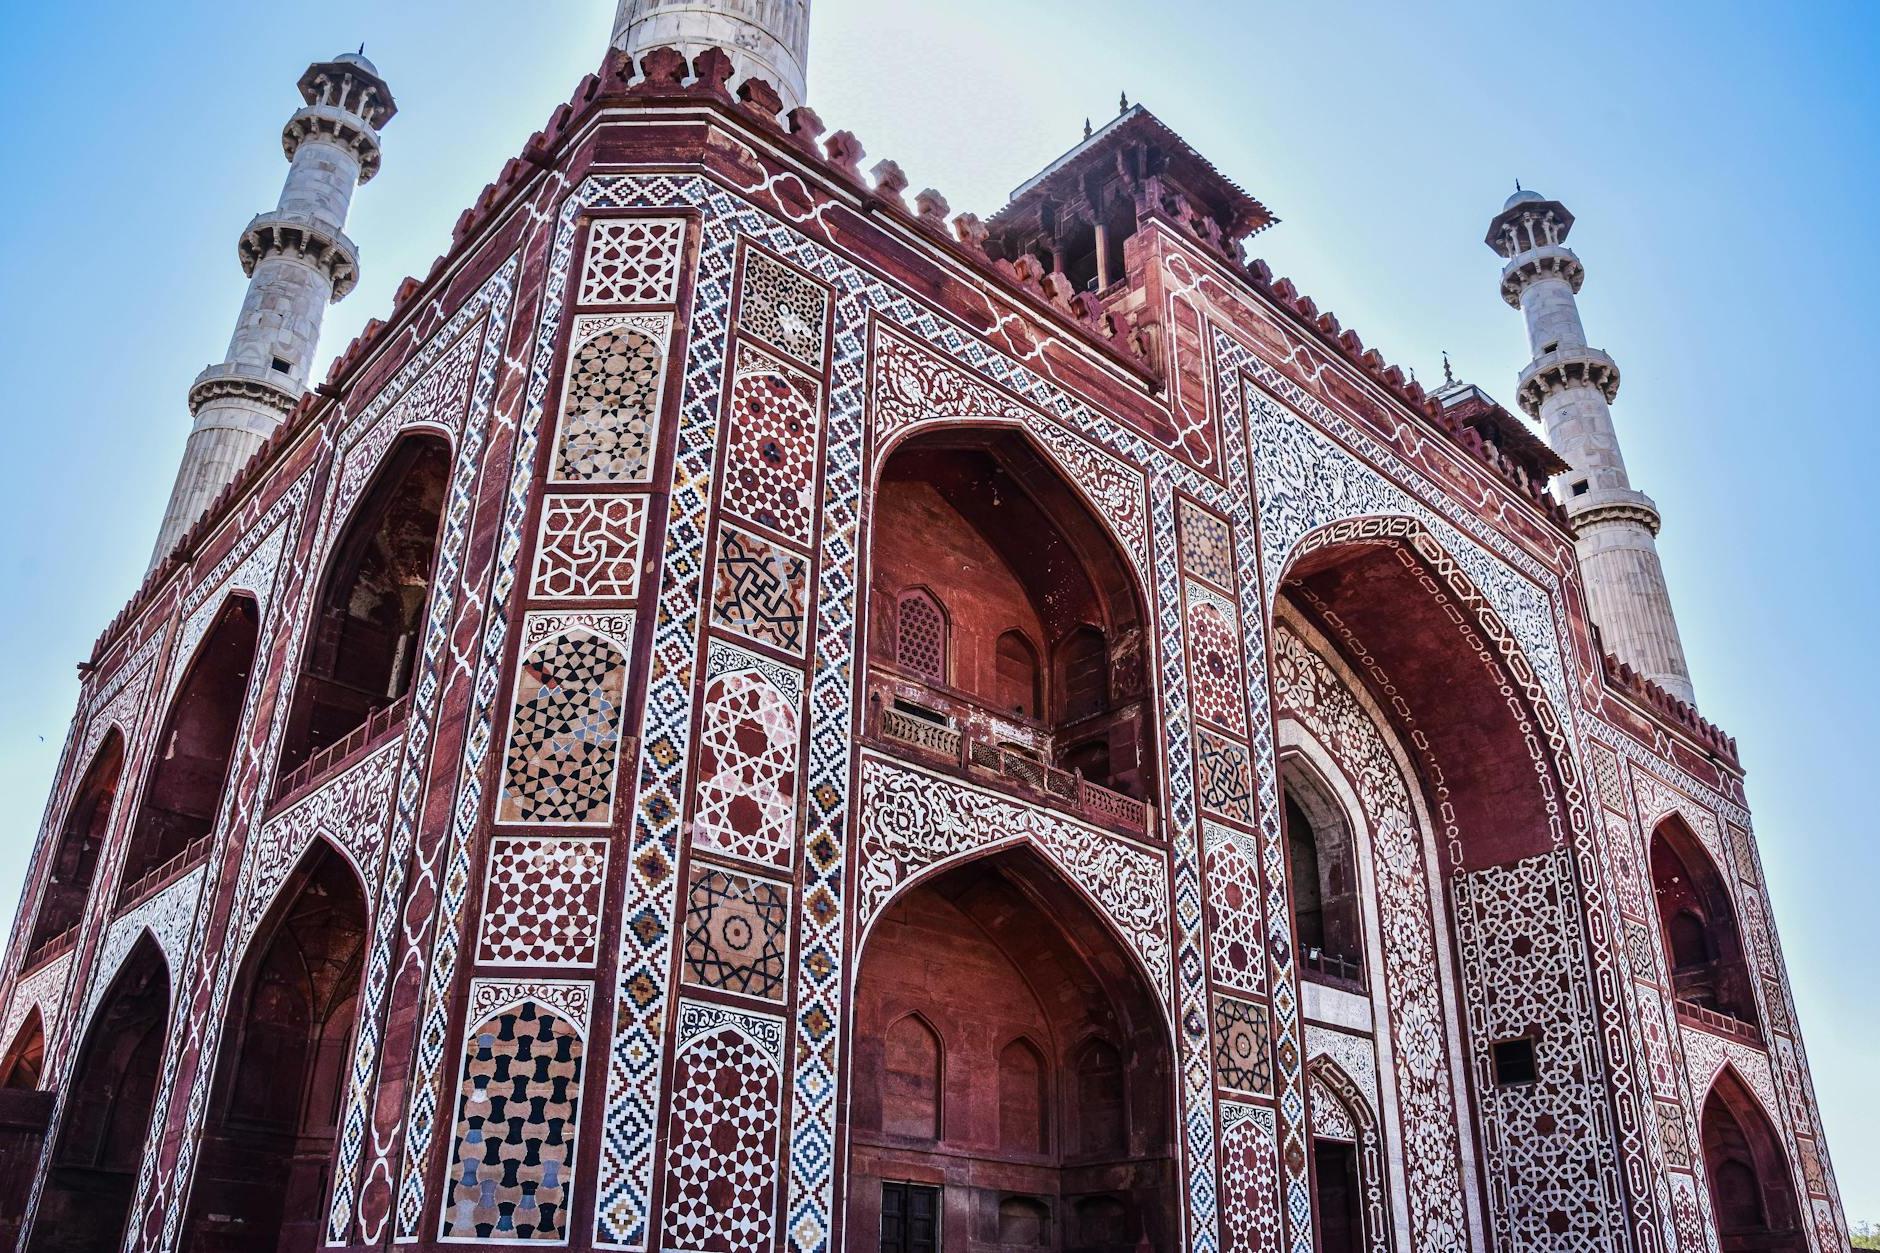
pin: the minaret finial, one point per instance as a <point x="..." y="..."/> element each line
<point x="1122" y="102"/>
<point x="1517" y="184"/>
<point x="1449" y="378"/>
<point x="1086" y="128"/>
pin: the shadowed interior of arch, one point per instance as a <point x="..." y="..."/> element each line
<point x="108" y="1101"/>
<point x="1702" y="938"/>
<point x="1001" y="608"/>
<point x="1012" y="1062"/>
<point x="1752" y="1193"/>
<point x="362" y="646"/>
<point x="262" y="1177"/>
<point x="195" y="750"/>
<point x="75" y="854"/>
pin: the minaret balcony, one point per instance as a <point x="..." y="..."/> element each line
<point x="252" y="385"/>
<point x="1573" y="365"/>
<point x="336" y="126"/>
<point x="1605" y="506"/>
<point x="1546" y="261"/>
<point x="276" y="234"/>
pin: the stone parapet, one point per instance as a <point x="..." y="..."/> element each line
<point x="336" y="126"/>
<point x="298" y="235"/>
<point x="1572" y="365"/>
<point x="1547" y="261"/>
<point x="250" y="384"/>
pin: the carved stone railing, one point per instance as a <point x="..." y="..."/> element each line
<point x="1063" y="789"/>
<point x="1722" y="1024"/>
<point x="375" y="728"/>
<point x="53" y="949"/>
<point x="162" y="875"/>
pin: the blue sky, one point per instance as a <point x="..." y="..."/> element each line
<point x="1720" y="159"/>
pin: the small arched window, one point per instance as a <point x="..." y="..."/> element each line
<point x="1323" y="860"/>
<point x="1019" y="680"/>
<point x="920" y="644"/>
<point x="1751" y="1188"/>
<point x="910" y="1104"/>
<point x="25" y="1055"/>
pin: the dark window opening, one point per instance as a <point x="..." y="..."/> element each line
<point x="910" y="1218"/>
<point x="283" y="366"/>
<point x="1337" y="1196"/>
<point x="1118" y="229"/>
<point x="1581" y="488"/>
<point x="279" y="1082"/>
<point x="1080" y="257"/>
<point x="365" y="634"/>
<point x="1547" y="348"/>
<point x="1327" y="913"/>
<point x="1514" y="1062"/>
<point x="925" y="714"/>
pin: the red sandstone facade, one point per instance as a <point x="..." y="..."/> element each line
<point x="747" y="715"/>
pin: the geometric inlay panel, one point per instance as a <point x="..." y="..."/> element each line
<point x="610" y="403"/>
<point x="736" y="932"/>
<point x="783" y="307"/>
<point x="722" y="1137"/>
<point x="760" y="589"/>
<point x="747" y="757"/>
<point x="564" y="735"/>
<point x="771" y="446"/>
<point x="542" y="900"/>
<point x="1207" y="546"/>
<point x="514" y="1133"/>
<point x="1214" y="659"/>
<point x="632" y="261"/>
<point x="1243" y="1056"/>
<point x="589" y="548"/>
<point x="1226" y="777"/>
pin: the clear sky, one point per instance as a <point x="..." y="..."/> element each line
<point x="1720" y="159"/>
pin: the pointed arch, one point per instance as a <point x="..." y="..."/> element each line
<point x="1698" y="923"/>
<point x="74" y="858"/>
<point x="1003" y="606"/>
<point x="1024" y="1097"/>
<point x="1350" y="1193"/>
<point x="274" y="1103"/>
<point x="108" y="1100"/>
<point x="366" y="621"/>
<point x="1752" y="1189"/>
<point x="25" y="1056"/>
<point x="195" y="752"/>
<point x="1001" y="964"/>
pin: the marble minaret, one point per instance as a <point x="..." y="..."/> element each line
<point x="298" y="261"/>
<point x="1570" y="387"/>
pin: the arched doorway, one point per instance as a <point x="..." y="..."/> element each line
<point x="1699" y="926"/>
<point x="1002" y="613"/>
<point x="1752" y="1192"/>
<point x="75" y="856"/>
<point x="195" y="750"/>
<point x="1328" y="920"/>
<point x="89" y="1187"/>
<point x="363" y="644"/>
<point x="1012" y="1074"/>
<point x="267" y="1146"/>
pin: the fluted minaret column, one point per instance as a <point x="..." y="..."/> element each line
<point x="1570" y="386"/>
<point x="298" y="261"/>
<point x="767" y="39"/>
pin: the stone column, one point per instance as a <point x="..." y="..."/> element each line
<point x="767" y="39"/>
<point x="1570" y="387"/>
<point x="298" y="261"/>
